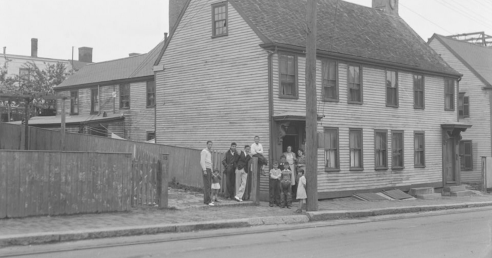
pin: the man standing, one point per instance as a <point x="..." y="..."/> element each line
<point x="241" y="174"/>
<point x="229" y="165"/>
<point x="206" y="163"/>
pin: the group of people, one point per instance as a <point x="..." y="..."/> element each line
<point x="286" y="177"/>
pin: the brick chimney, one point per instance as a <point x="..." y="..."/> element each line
<point x="34" y="47"/>
<point x="387" y="6"/>
<point x="85" y="54"/>
<point x="175" y="7"/>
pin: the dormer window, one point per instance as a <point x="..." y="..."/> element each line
<point x="219" y="19"/>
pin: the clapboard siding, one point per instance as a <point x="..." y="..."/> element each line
<point x="479" y="133"/>
<point x="373" y="114"/>
<point x="138" y="119"/>
<point x="212" y="88"/>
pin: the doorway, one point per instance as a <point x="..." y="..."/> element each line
<point x="450" y="164"/>
<point x="290" y="140"/>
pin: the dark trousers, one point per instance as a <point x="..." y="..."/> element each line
<point x="274" y="188"/>
<point x="247" y="190"/>
<point x="285" y="193"/>
<point x="207" y="186"/>
<point x="231" y="183"/>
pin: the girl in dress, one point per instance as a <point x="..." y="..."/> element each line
<point x="215" y="185"/>
<point x="301" y="190"/>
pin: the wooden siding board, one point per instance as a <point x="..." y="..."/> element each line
<point x="372" y="115"/>
<point x="480" y="116"/>
<point x="196" y="102"/>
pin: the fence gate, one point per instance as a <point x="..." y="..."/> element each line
<point x="146" y="180"/>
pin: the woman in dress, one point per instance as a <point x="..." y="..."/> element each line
<point x="290" y="157"/>
<point x="301" y="160"/>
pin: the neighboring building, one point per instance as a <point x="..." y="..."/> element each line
<point x="110" y="98"/>
<point x="386" y="101"/>
<point x="474" y="61"/>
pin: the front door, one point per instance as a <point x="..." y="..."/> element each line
<point x="450" y="162"/>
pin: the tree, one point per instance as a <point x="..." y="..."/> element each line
<point x="32" y="81"/>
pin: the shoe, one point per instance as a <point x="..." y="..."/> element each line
<point x="240" y="200"/>
<point x="216" y="200"/>
<point x="211" y="204"/>
<point x="237" y="199"/>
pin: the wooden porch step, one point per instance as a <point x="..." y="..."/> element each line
<point x="431" y="196"/>
<point x="454" y="188"/>
<point x="462" y="193"/>
<point x="421" y="191"/>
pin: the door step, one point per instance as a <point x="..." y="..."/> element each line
<point x="462" y="193"/>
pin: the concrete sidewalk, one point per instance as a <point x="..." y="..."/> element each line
<point x="190" y="215"/>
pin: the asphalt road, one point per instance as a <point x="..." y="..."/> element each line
<point x="463" y="235"/>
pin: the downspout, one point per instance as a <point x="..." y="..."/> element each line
<point x="458" y="90"/>
<point x="270" y="103"/>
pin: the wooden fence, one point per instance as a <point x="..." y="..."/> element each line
<point x="184" y="163"/>
<point x="56" y="183"/>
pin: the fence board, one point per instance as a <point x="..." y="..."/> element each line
<point x="3" y="186"/>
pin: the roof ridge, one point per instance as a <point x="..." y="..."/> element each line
<point x="114" y="60"/>
<point x="144" y="62"/>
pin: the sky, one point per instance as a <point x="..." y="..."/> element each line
<point x="115" y="28"/>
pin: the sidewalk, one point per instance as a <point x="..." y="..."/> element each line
<point x="189" y="214"/>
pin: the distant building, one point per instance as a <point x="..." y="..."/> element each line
<point x="112" y="98"/>
<point x="472" y="57"/>
<point x="387" y="115"/>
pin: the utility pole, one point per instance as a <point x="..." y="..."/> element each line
<point x="27" y="101"/>
<point x="311" y="109"/>
<point x="63" y="116"/>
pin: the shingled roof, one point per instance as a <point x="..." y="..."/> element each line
<point x="477" y="58"/>
<point x="119" y="69"/>
<point x="344" y="29"/>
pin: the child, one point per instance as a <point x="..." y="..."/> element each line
<point x="301" y="190"/>
<point x="215" y="185"/>
<point x="275" y="175"/>
<point x="283" y="163"/>
<point x="286" y="188"/>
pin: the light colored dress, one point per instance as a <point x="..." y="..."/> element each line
<point x="289" y="157"/>
<point x="301" y="188"/>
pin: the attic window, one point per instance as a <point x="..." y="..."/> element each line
<point x="219" y="19"/>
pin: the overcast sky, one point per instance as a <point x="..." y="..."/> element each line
<point x="115" y="28"/>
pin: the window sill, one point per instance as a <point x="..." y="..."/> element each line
<point x="381" y="168"/>
<point x="124" y="108"/>
<point x="397" y="168"/>
<point x="355" y="102"/>
<point x="448" y="109"/>
<point x="419" y="166"/>
<point x="288" y="97"/>
<point x="356" y="169"/>
<point x="421" y="108"/>
<point x="330" y="100"/>
<point x="74" y="114"/>
<point x="153" y="106"/>
<point x="392" y="106"/>
<point x="464" y="117"/>
<point x="220" y="36"/>
<point x="332" y="170"/>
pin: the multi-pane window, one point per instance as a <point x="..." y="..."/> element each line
<point x="397" y="149"/>
<point x="355" y="144"/>
<point x="219" y="16"/>
<point x="448" y="94"/>
<point x="466" y="155"/>
<point x="330" y="85"/>
<point x="419" y="149"/>
<point x="150" y="93"/>
<point x="94" y="101"/>
<point x="392" y="88"/>
<point x="418" y="91"/>
<point x="463" y="105"/>
<point x="331" y="149"/>
<point x="24" y="75"/>
<point x="354" y="84"/>
<point x="124" y="96"/>
<point x="74" y="102"/>
<point x="380" y="149"/>
<point x="288" y="80"/>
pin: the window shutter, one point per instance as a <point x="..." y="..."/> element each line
<point x="321" y="140"/>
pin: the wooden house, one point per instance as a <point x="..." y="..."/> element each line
<point x="113" y="98"/>
<point x="474" y="61"/>
<point x="386" y="101"/>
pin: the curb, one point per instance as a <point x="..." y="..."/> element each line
<point x="316" y="216"/>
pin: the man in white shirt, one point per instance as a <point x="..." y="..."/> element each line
<point x="257" y="151"/>
<point x="206" y="164"/>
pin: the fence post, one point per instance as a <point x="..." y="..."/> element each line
<point x="163" y="178"/>
<point x="255" y="182"/>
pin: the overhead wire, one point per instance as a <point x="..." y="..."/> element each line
<point x="423" y="17"/>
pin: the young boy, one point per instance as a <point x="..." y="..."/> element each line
<point x="215" y="185"/>
<point x="283" y="163"/>
<point x="286" y="188"/>
<point x="275" y="174"/>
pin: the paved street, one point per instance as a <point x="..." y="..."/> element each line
<point x="455" y="235"/>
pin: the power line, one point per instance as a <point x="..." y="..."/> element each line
<point x="477" y="15"/>
<point x="461" y="12"/>
<point x="425" y="18"/>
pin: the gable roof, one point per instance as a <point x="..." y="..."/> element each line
<point x="477" y="58"/>
<point x="345" y="30"/>
<point x="119" y="69"/>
